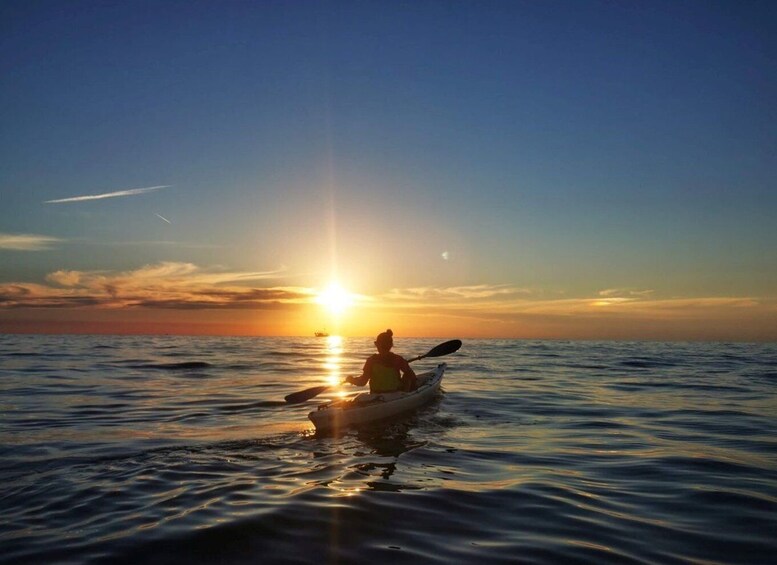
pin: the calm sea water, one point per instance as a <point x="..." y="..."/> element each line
<point x="181" y="450"/>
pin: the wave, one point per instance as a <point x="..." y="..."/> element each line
<point x="537" y="452"/>
<point x="182" y="366"/>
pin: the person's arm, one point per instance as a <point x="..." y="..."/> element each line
<point x="409" y="381"/>
<point x="404" y="366"/>
<point x="364" y="378"/>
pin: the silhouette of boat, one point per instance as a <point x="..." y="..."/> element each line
<point x="321" y="334"/>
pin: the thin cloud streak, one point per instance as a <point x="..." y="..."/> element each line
<point x="27" y="242"/>
<point x="624" y="292"/>
<point x="146" y="243"/>
<point x="472" y="292"/>
<point x="501" y="302"/>
<point x="162" y="218"/>
<point x="118" y="193"/>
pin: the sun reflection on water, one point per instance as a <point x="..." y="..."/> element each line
<point x="333" y="362"/>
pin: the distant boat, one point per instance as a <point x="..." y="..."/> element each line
<point x="321" y="334"/>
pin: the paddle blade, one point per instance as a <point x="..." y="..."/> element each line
<point x="445" y="348"/>
<point x="303" y="395"/>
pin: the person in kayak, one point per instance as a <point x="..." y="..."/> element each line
<point x="386" y="371"/>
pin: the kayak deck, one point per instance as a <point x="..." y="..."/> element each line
<point x="368" y="407"/>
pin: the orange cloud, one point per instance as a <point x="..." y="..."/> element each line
<point x="504" y="300"/>
<point x="162" y="285"/>
<point x="174" y="297"/>
<point x="503" y="311"/>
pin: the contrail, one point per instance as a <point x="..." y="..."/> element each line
<point x="130" y="192"/>
<point x="162" y="218"/>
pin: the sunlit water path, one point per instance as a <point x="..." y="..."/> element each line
<point x="175" y="449"/>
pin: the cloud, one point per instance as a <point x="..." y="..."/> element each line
<point x="118" y="193"/>
<point x="503" y="303"/>
<point x="27" y="242"/>
<point x="454" y="293"/>
<point x="624" y="292"/>
<point x="162" y="285"/>
<point x="482" y="309"/>
<point x="157" y="243"/>
<point x="621" y="307"/>
<point x="64" y="278"/>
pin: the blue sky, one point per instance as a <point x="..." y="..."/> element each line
<point x="564" y="148"/>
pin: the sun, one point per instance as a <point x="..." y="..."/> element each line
<point x="335" y="299"/>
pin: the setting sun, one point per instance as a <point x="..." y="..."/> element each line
<point x="335" y="299"/>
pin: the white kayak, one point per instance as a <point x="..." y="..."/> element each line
<point x="367" y="407"/>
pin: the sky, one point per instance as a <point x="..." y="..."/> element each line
<point x="561" y="170"/>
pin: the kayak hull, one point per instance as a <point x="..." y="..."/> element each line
<point x="367" y="407"/>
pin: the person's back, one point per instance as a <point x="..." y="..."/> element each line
<point x="386" y="371"/>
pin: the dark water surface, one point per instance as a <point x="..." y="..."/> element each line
<point x="181" y="450"/>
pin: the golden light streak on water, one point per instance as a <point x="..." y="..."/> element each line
<point x="333" y="362"/>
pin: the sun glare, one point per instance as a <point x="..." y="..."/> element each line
<point x="334" y="298"/>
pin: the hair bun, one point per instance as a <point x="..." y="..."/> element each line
<point x="385" y="338"/>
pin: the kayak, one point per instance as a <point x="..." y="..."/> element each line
<point x="368" y="407"/>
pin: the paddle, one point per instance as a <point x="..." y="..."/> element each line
<point x="438" y="351"/>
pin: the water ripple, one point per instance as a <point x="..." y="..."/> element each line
<point x="169" y="450"/>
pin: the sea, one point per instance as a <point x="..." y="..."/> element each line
<point x="145" y="449"/>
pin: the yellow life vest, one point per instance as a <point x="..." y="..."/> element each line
<point x="384" y="379"/>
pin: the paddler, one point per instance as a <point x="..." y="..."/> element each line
<point x="386" y="371"/>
